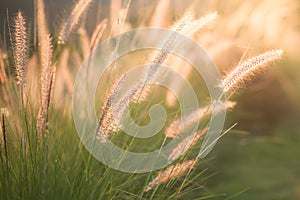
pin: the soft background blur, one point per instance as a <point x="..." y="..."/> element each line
<point x="260" y="158"/>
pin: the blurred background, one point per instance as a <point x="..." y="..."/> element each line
<point x="260" y="158"/>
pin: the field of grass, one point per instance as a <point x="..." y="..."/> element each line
<point x="256" y="157"/>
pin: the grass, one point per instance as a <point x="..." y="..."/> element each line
<point x="59" y="167"/>
<point x="42" y="157"/>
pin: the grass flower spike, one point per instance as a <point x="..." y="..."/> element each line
<point x="47" y="79"/>
<point x="73" y="20"/>
<point x="187" y="25"/>
<point x="248" y="69"/>
<point x="20" y="50"/>
<point x="107" y="123"/>
<point x="170" y="173"/>
<point x="186" y="144"/>
<point x="180" y="125"/>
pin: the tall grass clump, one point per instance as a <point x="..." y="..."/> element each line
<point x="41" y="155"/>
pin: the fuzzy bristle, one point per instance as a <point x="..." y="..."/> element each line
<point x="180" y="125"/>
<point x="167" y="46"/>
<point x="185" y="145"/>
<point x="170" y="173"/>
<point x="47" y="78"/>
<point x="107" y="123"/>
<point x="113" y="109"/>
<point x="20" y="50"/>
<point x="47" y="72"/>
<point x="198" y="24"/>
<point x="248" y="69"/>
<point x="186" y="25"/>
<point x="159" y="57"/>
<point x="142" y="93"/>
<point x="73" y="20"/>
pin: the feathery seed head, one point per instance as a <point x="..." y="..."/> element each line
<point x="167" y="45"/>
<point x="73" y="20"/>
<point x="186" y="25"/>
<point x="142" y="93"/>
<point x="248" y="69"/>
<point x="111" y="109"/>
<point x="185" y="145"/>
<point x="46" y="62"/>
<point x="196" y="25"/>
<point x="124" y="102"/>
<point x="47" y="82"/>
<point x="180" y="125"/>
<point x="170" y="173"/>
<point x="20" y="49"/>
